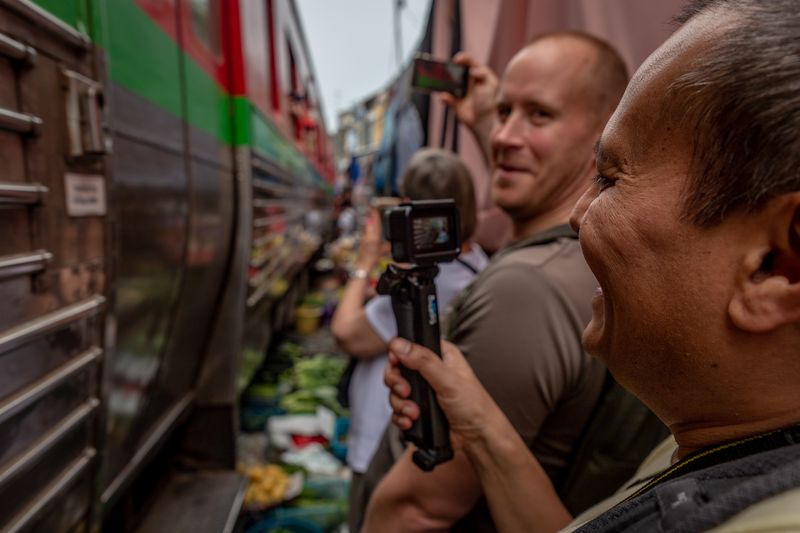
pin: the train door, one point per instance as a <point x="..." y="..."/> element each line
<point x="173" y="180"/>
<point x="151" y="210"/>
<point x="194" y="28"/>
<point x="53" y="267"/>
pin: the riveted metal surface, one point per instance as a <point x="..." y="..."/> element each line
<point x="52" y="281"/>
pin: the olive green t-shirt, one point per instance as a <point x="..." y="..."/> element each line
<point x="520" y="325"/>
<point x="520" y="328"/>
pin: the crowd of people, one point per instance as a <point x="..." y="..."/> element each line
<point x="630" y="361"/>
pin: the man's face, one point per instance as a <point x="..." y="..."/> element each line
<point x="542" y="142"/>
<point x="664" y="282"/>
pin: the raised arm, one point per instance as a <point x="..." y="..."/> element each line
<point x="476" y="109"/>
<point x="518" y="491"/>
<point x="350" y="327"/>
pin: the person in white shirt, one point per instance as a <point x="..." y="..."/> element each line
<point x="364" y="330"/>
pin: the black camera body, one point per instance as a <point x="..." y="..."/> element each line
<point x="422" y="233"/>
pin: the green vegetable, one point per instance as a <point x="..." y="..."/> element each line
<point x="314" y="382"/>
<point x="318" y="371"/>
<point x="300" y="402"/>
<point x="326" y="396"/>
<point x="291" y="350"/>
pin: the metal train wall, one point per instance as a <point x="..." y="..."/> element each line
<point x="158" y="159"/>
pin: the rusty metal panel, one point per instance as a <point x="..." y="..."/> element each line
<point x="71" y="499"/>
<point x="22" y="366"/>
<point x="8" y="85"/>
<point x="52" y="280"/>
<point x="36" y="28"/>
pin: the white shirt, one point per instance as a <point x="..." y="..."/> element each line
<point x="369" y="397"/>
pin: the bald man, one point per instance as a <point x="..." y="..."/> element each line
<point x="520" y="323"/>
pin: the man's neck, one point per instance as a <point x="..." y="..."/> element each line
<point x="751" y="392"/>
<point x="696" y="437"/>
<point x="531" y="226"/>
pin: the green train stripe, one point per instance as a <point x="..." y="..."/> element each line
<point x="145" y="60"/>
<point x="142" y="58"/>
<point x="73" y="12"/>
<point x="268" y="142"/>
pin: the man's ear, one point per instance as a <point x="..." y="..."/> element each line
<point x="767" y="295"/>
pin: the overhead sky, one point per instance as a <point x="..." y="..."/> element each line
<point x="353" y="46"/>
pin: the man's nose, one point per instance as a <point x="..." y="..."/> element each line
<point x="507" y="134"/>
<point x="579" y="211"/>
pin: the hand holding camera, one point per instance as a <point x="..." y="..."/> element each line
<point x="469" y="408"/>
<point x="421" y="233"/>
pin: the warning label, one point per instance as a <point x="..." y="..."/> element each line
<point x="86" y="195"/>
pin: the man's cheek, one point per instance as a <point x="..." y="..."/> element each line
<point x="611" y="233"/>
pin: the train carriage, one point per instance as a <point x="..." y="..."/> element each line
<point x="159" y="160"/>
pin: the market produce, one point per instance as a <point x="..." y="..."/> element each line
<point x="319" y="370"/>
<point x="268" y="484"/>
<point x="314" y="382"/>
<point x="299" y="402"/>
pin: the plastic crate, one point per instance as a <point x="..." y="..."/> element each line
<point x="327" y="488"/>
<point x="338" y="442"/>
<point x="255" y="411"/>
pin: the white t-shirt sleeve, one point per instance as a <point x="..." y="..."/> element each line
<point x="381" y="317"/>
<point x="452" y="278"/>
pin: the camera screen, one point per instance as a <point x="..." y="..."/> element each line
<point x="431" y="233"/>
<point x="435" y="75"/>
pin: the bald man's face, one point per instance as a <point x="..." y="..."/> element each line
<point x="542" y="143"/>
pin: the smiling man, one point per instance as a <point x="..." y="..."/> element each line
<point x="520" y="323"/>
<point x="693" y="232"/>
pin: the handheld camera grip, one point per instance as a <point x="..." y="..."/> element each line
<point x="415" y="307"/>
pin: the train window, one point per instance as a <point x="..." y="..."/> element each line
<point x="205" y="17"/>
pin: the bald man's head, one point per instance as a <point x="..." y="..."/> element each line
<point x="606" y="76"/>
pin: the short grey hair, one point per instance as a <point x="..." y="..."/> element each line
<point x="740" y="103"/>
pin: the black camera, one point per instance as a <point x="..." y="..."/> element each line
<point x="423" y="232"/>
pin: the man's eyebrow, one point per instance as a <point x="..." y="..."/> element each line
<point x="527" y="102"/>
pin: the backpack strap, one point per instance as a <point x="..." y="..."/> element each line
<point x="703" y="499"/>
<point x="619" y="434"/>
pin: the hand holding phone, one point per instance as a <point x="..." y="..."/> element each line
<point x="432" y="74"/>
<point x="479" y="102"/>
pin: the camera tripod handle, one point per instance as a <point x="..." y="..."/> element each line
<point x="415" y="306"/>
